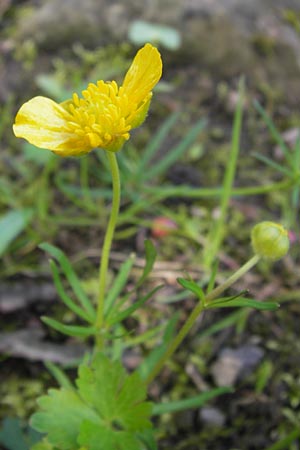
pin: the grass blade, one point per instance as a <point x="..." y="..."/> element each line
<point x="217" y="231"/>
<point x="154" y="144"/>
<point x="174" y="154"/>
<point x="274" y="132"/>
<point x="271" y="163"/>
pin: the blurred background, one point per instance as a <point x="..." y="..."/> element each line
<point x="172" y="169"/>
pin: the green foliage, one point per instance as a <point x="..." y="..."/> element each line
<point x="236" y="301"/>
<point x="141" y="32"/>
<point x="15" y="436"/>
<point x="11" y="225"/>
<point x="188" y="403"/>
<point x="106" y="411"/>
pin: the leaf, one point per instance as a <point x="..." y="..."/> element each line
<point x="99" y="437"/>
<point x="154" y="145"/>
<point x="71" y="276"/>
<point x="63" y="412"/>
<point x="43" y="445"/>
<point x="141" y="32"/>
<point x="150" y="361"/>
<point x="192" y="287"/>
<point x="65" y="298"/>
<point x="59" y="375"/>
<point x="274" y="133"/>
<point x="242" y="302"/>
<point x="131" y="309"/>
<point x="11" y="225"/>
<point x="175" y="153"/>
<point x="118" y="284"/>
<point x="11" y="435"/>
<point x="150" y="255"/>
<point x="69" y="330"/>
<point x="193" y="402"/>
<point x="105" y="413"/>
<point x="114" y="395"/>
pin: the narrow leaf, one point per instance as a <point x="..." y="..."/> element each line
<point x="155" y="144"/>
<point x="174" y="154"/>
<point x="59" y="375"/>
<point x="273" y="164"/>
<point x="69" y="330"/>
<point x="131" y="309"/>
<point x="65" y="298"/>
<point x="118" y="284"/>
<point x="150" y="361"/>
<point x="193" y="402"/>
<point x="244" y="302"/>
<point x="70" y="275"/>
<point x="192" y="287"/>
<point x="150" y="255"/>
<point x="274" y="132"/>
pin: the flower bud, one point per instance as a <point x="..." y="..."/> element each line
<point x="270" y="240"/>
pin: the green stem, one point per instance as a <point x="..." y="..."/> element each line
<point x="217" y="231"/>
<point x="198" y="309"/>
<point x="186" y="191"/>
<point x="108" y="238"/>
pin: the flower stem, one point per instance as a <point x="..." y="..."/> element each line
<point x="200" y="306"/>
<point x="108" y="238"/>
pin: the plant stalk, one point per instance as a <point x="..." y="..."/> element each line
<point x="198" y="309"/>
<point x="115" y="206"/>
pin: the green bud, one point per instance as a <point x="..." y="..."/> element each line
<point x="270" y="240"/>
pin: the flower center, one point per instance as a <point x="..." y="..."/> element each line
<point x="101" y="116"/>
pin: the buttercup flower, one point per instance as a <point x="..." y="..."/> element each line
<point x="103" y="117"/>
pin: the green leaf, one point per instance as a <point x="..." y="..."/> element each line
<point x="63" y="412"/>
<point x="154" y="145"/>
<point x="71" y="276"/>
<point x="69" y="330"/>
<point x="175" y="153"/>
<point x="11" y="435"/>
<point x="141" y="32"/>
<point x="43" y="445"/>
<point x="114" y="395"/>
<point x="150" y="255"/>
<point x="99" y="437"/>
<point x="118" y="284"/>
<point x="242" y="302"/>
<point x="65" y="298"/>
<point x="274" y="133"/>
<point x="11" y="225"/>
<point x="150" y="361"/>
<point x="192" y="287"/>
<point x="131" y="309"/>
<point x="59" y="375"/>
<point x="193" y="402"/>
<point x="106" y="412"/>
<point x="148" y="439"/>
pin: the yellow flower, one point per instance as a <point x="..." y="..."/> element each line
<point x="103" y="117"/>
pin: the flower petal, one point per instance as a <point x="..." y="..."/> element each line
<point x="42" y="122"/>
<point x="143" y="74"/>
